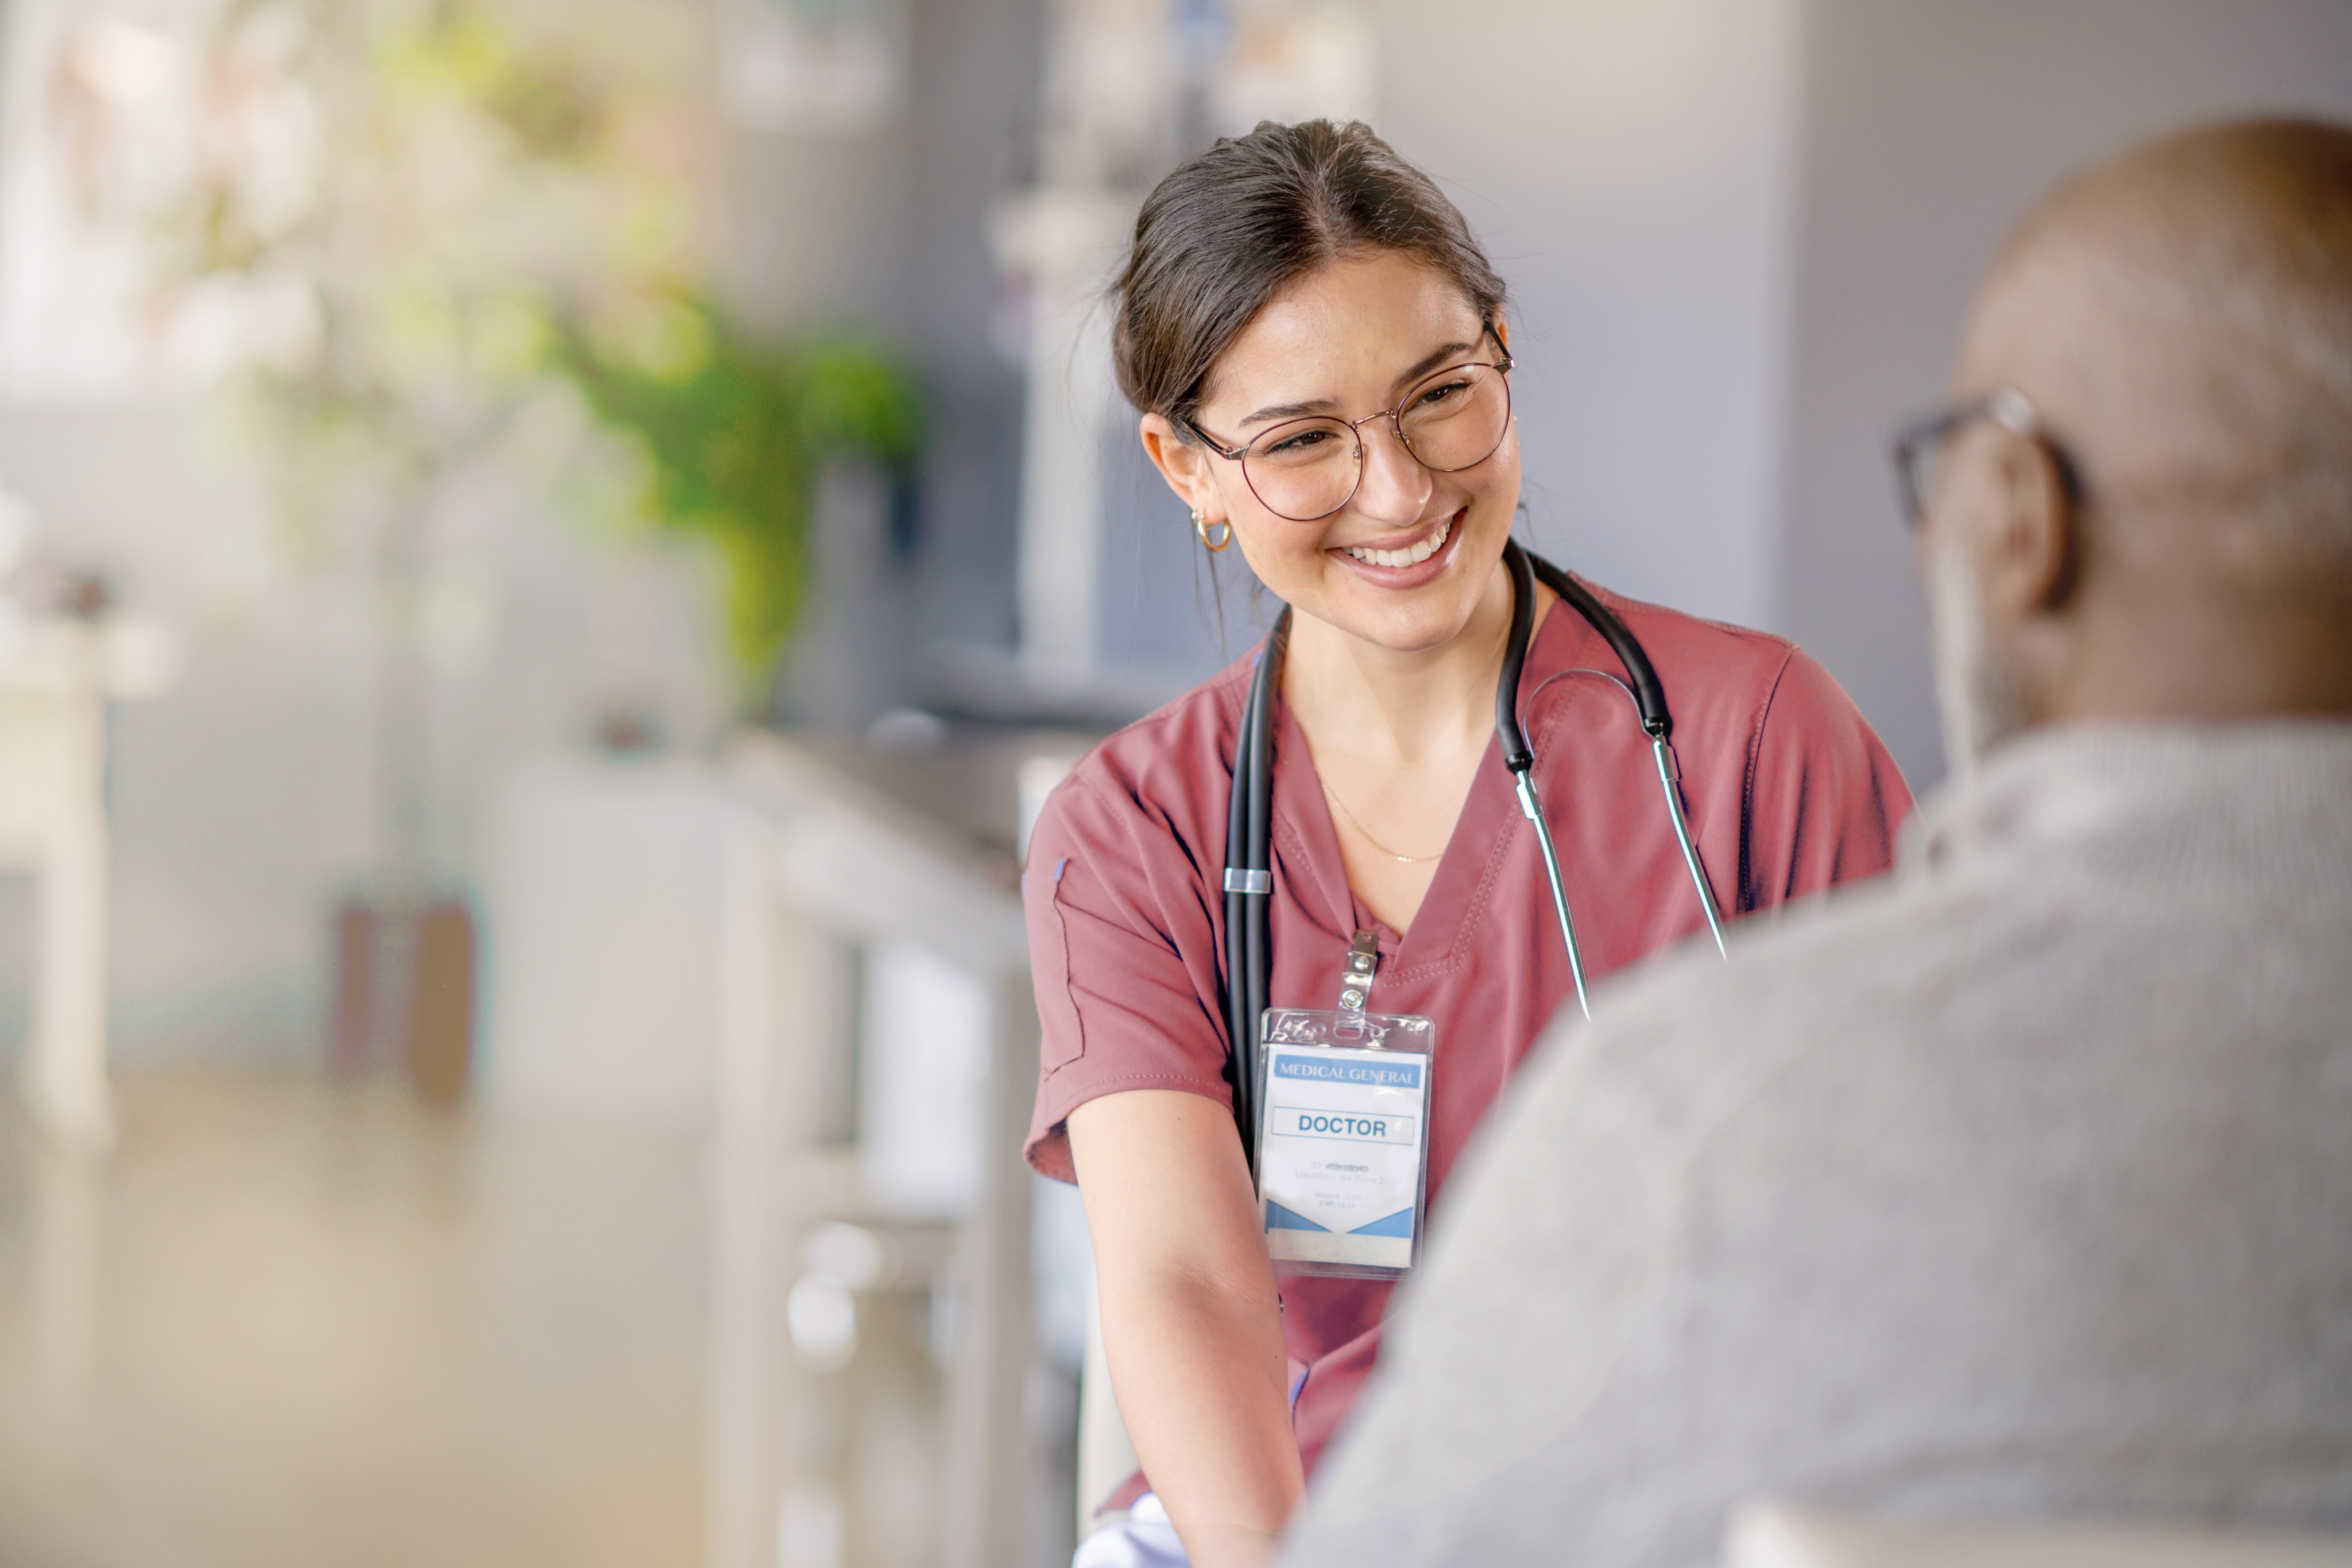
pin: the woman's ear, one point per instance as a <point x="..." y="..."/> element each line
<point x="1502" y="331"/>
<point x="1183" y="465"/>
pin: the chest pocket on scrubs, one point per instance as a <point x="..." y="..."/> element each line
<point x="1064" y="1037"/>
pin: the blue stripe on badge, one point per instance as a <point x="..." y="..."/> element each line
<point x="1280" y="1219"/>
<point x="1397" y="1223"/>
<point x="1355" y="1071"/>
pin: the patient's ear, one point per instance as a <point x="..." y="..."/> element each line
<point x="2027" y="535"/>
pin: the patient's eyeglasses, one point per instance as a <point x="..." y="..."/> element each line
<point x="1922" y="447"/>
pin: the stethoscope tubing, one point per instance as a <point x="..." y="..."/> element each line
<point x="1249" y="885"/>
<point x="1669" y="780"/>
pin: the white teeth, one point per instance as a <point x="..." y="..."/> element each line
<point x="1413" y="556"/>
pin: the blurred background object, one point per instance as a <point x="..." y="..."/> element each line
<point x="61" y="674"/>
<point x="598" y="459"/>
<point x="64" y="654"/>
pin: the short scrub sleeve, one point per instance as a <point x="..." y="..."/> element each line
<point x="1824" y="799"/>
<point x="1122" y="945"/>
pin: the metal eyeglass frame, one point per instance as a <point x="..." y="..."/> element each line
<point x="1395" y="416"/>
<point x="2005" y="406"/>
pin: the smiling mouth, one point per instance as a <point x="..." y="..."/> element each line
<point x="1413" y="557"/>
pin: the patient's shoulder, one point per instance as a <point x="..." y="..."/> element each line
<point x="1688" y="1041"/>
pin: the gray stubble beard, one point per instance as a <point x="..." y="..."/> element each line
<point x="1978" y="691"/>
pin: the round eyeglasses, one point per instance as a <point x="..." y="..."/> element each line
<point x="1306" y="469"/>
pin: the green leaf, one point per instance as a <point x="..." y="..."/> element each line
<point x="736" y="434"/>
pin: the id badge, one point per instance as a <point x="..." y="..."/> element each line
<point x="1343" y="1140"/>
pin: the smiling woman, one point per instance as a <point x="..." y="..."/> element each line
<point x="1321" y="359"/>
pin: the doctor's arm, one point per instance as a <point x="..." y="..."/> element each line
<point x="1190" y="1321"/>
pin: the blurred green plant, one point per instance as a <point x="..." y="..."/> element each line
<point x="734" y="434"/>
<point x="503" y="203"/>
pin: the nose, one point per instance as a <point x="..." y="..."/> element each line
<point x="1395" y="487"/>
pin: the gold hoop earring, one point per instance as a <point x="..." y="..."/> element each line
<point x="1202" y="524"/>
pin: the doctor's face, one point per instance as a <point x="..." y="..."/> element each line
<point x="1405" y="558"/>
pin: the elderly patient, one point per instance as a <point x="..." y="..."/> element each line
<point x="2019" y="1186"/>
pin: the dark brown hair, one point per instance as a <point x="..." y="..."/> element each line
<point x="1231" y="227"/>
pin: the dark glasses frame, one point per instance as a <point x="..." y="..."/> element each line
<point x="1916" y="445"/>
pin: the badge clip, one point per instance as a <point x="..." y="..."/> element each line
<point x="1355" y="978"/>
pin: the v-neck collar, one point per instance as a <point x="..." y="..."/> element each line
<point x="1482" y="835"/>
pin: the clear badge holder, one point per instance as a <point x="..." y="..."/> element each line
<point x="1343" y="1134"/>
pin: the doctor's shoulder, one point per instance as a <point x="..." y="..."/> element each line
<point x="1704" y="664"/>
<point x="1733" y="683"/>
<point x="1161" y="783"/>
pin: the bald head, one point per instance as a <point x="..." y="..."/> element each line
<point x="2181" y="319"/>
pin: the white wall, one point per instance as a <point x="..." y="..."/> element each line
<point x="1931" y="123"/>
<point x="239" y="800"/>
<point x="1630" y="166"/>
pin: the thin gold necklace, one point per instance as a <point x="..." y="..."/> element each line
<point x="1407" y="859"/>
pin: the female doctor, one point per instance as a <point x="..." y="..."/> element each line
<point x="1321" y="356"/>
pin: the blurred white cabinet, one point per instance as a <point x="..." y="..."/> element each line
<point x="840" y="985"/>
<point x="921" y="1075"/>
<point x="604" y="888"/>
<point x="878" y="1059"/>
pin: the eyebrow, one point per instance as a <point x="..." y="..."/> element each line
<point x="1437" y="357"/>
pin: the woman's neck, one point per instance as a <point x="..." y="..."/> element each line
<point x="1395" y="708"/>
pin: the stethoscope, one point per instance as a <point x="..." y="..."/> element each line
<point x="1249" y="878"/>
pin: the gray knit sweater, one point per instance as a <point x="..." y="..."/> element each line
<point x="2017" y="1185"/>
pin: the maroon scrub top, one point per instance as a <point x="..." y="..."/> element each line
<point x="1787" y="791"/>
